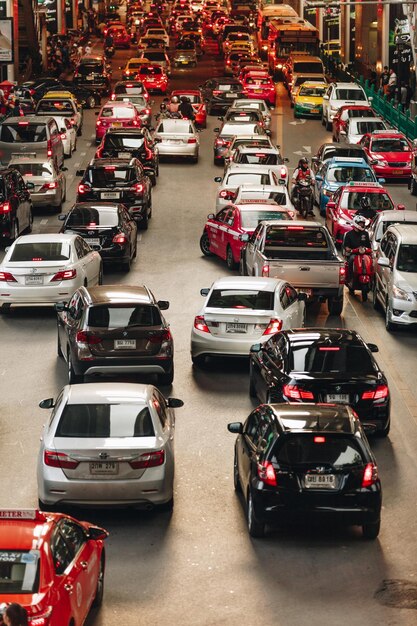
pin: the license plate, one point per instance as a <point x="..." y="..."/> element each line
<point x="123" y="155"/>
<point x="93" y="242"/>
<point x="236" y="328"/>
<point x="257" y="90"/>
<point x="341" y="398"/>
<point x="315" y="111"/>
<point x="397" y="171"/>
<point x="320" y="481"/>
<point x="117" y="124"/>
<point x="90" y="77"/>
<point x="104" y="467"/>
<point x="174" y="141"/>
<point x="33" y="280"/>
<point x="308" y="292"/>
<point x="125" y="344"/>
<point x="231" y="95"/>
<point x="110" y="195"/>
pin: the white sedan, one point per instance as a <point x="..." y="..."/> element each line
<point x="68" y="134"/>
<point x="177" y="137"/>
<point x="237" y="175"/>
<point x="44" y="269"/>
<point x="241" y="311"/>
<point x="357" y="127"/>
<point x="277" y="193"/>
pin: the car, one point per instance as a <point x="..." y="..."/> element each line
<point x="197" y="102"/>
<point x="154" y="78"/>
<point x="63" y="104"/>
<point x="396" y="275"/>
<point x="16" y="209"/>
<point x="259" y="85"/>
<point x="389" y="152"/>
<point x="109" y="330"/>
<point x="308" y="100"/>
<point x="31" y="135"/>
<point x="123" y="180"/>
<point x="219" y="93"/>
<point x="346" y="112"/>
<point x="335" y="173"/>
<point x="158" y="57"/>
<point x="121" y="38"/>
<point x="276" y="193"/>
<point x="91" y="72"/>
<point x="240" y="310"/>
<point x="86" y="97"/>
<point x="131" y="142"/>
<point x="271" y="157"/>
<point x="236" y="37"/>
<point x="329" y="150"/>
<point x="130" y="88"/>
<point x="43" y="557"/>
<point x="322" y="365"/>
<point x="158" y="32"/>
<point x="177" y="138"/>
<point x="293" y="465"/>
<point x="185" y="53"/>
<point x="232" y="60"/>
<point x="252" y="103"/>
<point x="385" y="219"/>
<point x="44" y="269"/>
<point x="229" y="130"/>
<point x="357" y="127"/>
<point x="116" y="115"/>
<point x="338" y="95"/>
<point x="140" y="102"/>
<point x="221" y="235"/>
<point x="247" y="141"/>
<point x="151" y="42"/>
<point x="68" y="135"/>
<point x="255" y="66"/>
<point x="300" y="80"/>
<point x="47" y="184"/>
<point x="346" y="201"/>
<point x="197" y="38"/>
<point x="132" y="67"/>
<point x="106" y="227"/>
<point x="243" y="116"/>
<point x="241" y="175"/>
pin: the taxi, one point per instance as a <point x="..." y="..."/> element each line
<point x="389" y="152"/>
<point x="116" y="114"/>
<point x="347" y="111"/>
<point x="221" y="235"/>
<point x="154" y="77"/>
<point x="308" y="99"/>
<point x="51" y="564"/>
<point x="132" y="67"/>
<point x="197" y="102"/>
<point x="259" y="85"/>
<point x="61" y="103"/>
<point x="346" y="201"/>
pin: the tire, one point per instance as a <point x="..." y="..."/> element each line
<point x="194" y="159"/>
<point x="58" y="345"/>
<point x="236" y="479"/>
<point x="79" y="131"/>
<point x="335" y="305"/>
<point x="384" y="432"/>
<point x="255" y="527"/>
<point x="98" y="597"/>
<point x="168" y="378"/>
<point x="371" y="531"/>
<point x="242" y="267"/>
<point x="413" y="187"/>
<point x="205" y="245"/>
<point x="91" y="102"/>
<point x="375" y="301"/>
<point x="390" y="326"/>
<point x="198" y="361"/>
<point x="328" y="125"/>
<point x="144" y="221"/>
<point x="230" y="261"/>
<point x="323" y="123"/>
<point x="153" y="180"/>
<point x="100" y="276"/>
<point x="15" y="231"/>
<point x="364" y="293"/>
<point x="73" y="378"/>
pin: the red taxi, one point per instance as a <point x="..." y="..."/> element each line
<point x="221" y="235"/>
<point x="259" y="85"/>
<point x="345" y="113"/>
<point x="116" y="114"/>
<point x="389" y="153"/>
<point x="344" y="203"/>
<point x="51" y="564"/>
<point x="153" y="77"/>
<point x="200" y="111"/>
<point x="121" y="38"/>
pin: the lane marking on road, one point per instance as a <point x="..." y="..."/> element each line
<point x="76" y="164"/>
<point x="43" y="222"/>
<point x="83" y="153"/>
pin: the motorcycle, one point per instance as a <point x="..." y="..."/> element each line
<point x="109" y="51"/>
<point x="362" y="276"/>
<point x="303" y="198"/>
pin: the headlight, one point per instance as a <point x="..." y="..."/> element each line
<point x="383" y="163"/>
<point x="401" y="294"/>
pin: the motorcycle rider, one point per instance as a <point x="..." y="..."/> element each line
<point x="302" y="172"/>
<point x="186" y="108"/>
<point x="108" y="41"/>
<point x="356" y="238"/>
<point x="173" y="107"/>
<point x="366" y="210"/>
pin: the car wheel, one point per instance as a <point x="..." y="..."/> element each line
<point x="384" y="432"/>
<point x="194" y="159"/>
<point x="231" y="263"/>
<point x="91" y="102"/>
<point x="135" y="251"/>
<point x="413" y="187"/>
<point x="255" y="527"/>
<point x="98" y="597"/>
<point x="58" y="345"/>
<point x="42" y="506"/>
<point x="198" y="361"/>
<point x="205" y="244"/>
<point x="335" y="305"/>
<point x="236" y="479"/>
<point x="73" y="378"/>
<point x="79" y="131"/>
<point x="242" y="267"/>
<point x="371" y="531"/>
<point x="15" y="230"/>
<point x="390" y="326"/>
<point x="323" y="122"/>
<point x="143" y="224"/>
<point x="167" y="378"/>
<point x="126" y="265"/>
<point x="329" y="125"/>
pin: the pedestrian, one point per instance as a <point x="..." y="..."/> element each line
<point x="15" y="615"/>
<point x="373" y="79"/>
<point x="392" y="83"/>
<point x="404" y="95"/>
<point x="384" y="80"/>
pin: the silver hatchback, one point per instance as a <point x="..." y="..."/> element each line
<point x="108" y="445"/>
<point x="49" y="183"/>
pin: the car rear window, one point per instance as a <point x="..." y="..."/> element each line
<point x="308" y="67"/>
<point x="129" y="88"/>
<point x="241" y="299"/>
<point x="175" y="126"/>
<point x="90" y="68"/>
<point x="23" y="132"/>
<point x="122" y="316"/>
<point x="111" y="176"/>
<point x="250" y="219"/>
<point x="319" y="357"/>
<point x="350" y="94"/>
<point x="238" y="116"/>
<point x="118" y="113"/>
<point x="56" y="107"/>
<point x="369" y="127"/>
<point x="378" y="201"/>
<point x="234" y="180"/>
<point x="303" y="450"/>
<point x="293" y="242"/>
<point x="100" y="421"/>
<point x="132" y="142"/>
<point x="346" y="173"/>
<point x="34" y="169"/>
<point x="139" y="101"/>
<point x="278" y="196"/>
<point x="92" y="217"/>
<point x="155" y="56"/>
<point x="258" y="158"/>
<point x="361" y="113"/>
<point x="227" y="87"/>
<point x="150" y="71"/>
<point x="41" y="251"/>
<point x="19" y="571"/>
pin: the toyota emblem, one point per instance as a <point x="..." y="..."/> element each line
<point x="103" y="455"/>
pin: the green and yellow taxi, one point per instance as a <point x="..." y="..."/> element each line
<point x="308" y="101"/>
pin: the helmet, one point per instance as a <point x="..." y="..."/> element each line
<point x="175" y="100"/>
<point x="303" y="163"/>
<point x="359" y="222"/>
<point x="162" y="106"/>
<point x="183" y="98"/>
<point x="365" y="203"/>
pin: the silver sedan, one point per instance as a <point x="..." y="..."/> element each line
<point x="177" y="137"/>
<point x="46" y="183"/>
<point x="108" y="445"/>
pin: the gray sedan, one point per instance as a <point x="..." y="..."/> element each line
<point x="177" y="137"/>
<point x="49" y="183"/>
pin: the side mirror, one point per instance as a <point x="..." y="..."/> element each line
<point x="62" y="217"/>
<point x="80" y="172"/>
<point x="47" y="404"/>
<point x="211" y="216"/>
<point x="163" y="305"/>
<point x="325" y="97"/>
<point x="64" y="169"/>
<point x="286" y="160"/>
<point x="373" y="161"/>
<point x="235" y="427"/>
<point x="373" y="347"/>
<point x="318" y="177"/>
<point x="400" y="207"/>
<point x="381" y="181"/>
<point x="174" y="403"/>
<point x="302" y="297"/>
<point x="256" y="347"/>
<point x="96" y="533"/>
<point x="216" y="130"/>
<point x="205" y="291"/>
<point x="30" y="186"/>
<point x="245" y="237"/>
<point x="268" y="132"/>
<point x="383" y="262"/>
<point x="218" y="179"/>
<point x="331" y="205"/>
<point x="157" y="139"/>
<point x="60" y="307"/>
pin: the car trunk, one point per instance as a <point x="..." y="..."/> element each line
<point x="335" y="387"/>
<point x="30" y="275"/>
<point x="231" y="322"/>
<point x="96" y="235"/>
<point x="127" y="342"/>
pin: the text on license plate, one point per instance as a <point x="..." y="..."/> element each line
<point x="125" y="344"/>
<point x="104" y="467"/>
<point x="320" y="481"/>
<point x="236" y="328"/>
<point x="93" y="242"/>
<point x="342" y="398"/>
<point x="123" y="155"/>
<point x="231" y="95"/>
<point x="33" y="280"/>
<point x="117" y="124"/>
<point x="315" y="111"/>
<point x="397" y="172"/>
<point x="308" y="292"/>
<point x="110" y="195"/>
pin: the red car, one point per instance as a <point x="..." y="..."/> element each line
<point x="153" y="77"/>
<point x="197" y="103"/>
<point x="345" y="113"/>
<point x="344" y="203"/>
<point x="221" y="232"/>
<point x="121" y="38"/>
<point x="116" y="114"/>
<point x="389" y="152"/>
<point x="259" y="85"/>
<point x="51" y="564"/>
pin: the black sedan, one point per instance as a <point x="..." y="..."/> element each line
<point x="321" y="365"/>
<point x="107" y="228"/>
<point x="88" y="98"/>
<point x="220" y="93"/>
<point x="295" y="463"/>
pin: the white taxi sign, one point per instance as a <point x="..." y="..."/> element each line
<point x="17" y="514"/>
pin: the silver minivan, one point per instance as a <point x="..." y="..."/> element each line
<point x="395" y="286"/>
<point x="31" y="136"/>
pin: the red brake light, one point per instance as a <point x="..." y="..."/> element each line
<point x="265" y="270"/>
<point x="266" y="473"/>
<point x="379" y="393"/>
<point x="5" y="207"/>
<point x="295" y="393"/>
<point x="295" y="227"/>
<point x="138" y="187"/>
<point x="88" y="338"/>
<point x="227" y="194"/>
<point x="149" y="459"/>
<point x="110" y="167"/>
<point x="52" y="458"/>
<point x="328" y="349"/>
<point x="342" y="275"/>
<point x="23" y="123"/>
<point x="319" y="440"/>
<point x="120" y="238"/>
<point x="192" y="140"/>
<point x="273" y="327"/>
<point x="283" y="172"/>
<point x="6" y="277"/>
<point x="200" y="324"/>
<point x="370" y="475"/>
<point x="64" y="275"/>
<point x="83" y="188"/>
<point x="49" y="186"/>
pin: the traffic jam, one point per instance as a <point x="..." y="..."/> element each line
<point x="286" y="234"/>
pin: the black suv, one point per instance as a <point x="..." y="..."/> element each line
<point x="219" y="93"/>
<point x="87" y="98"/>
<point x="120" y="180"/>
<point x="125" y="142"/>
<point x="92" y="72"/>
<point x="15" y="204"/>
<point x="293" y="465"/>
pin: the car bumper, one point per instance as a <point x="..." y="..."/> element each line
<point x="403" y="312"/>
<point x="203" y="344"/>
<point x="123" y="365"/>
<point x="268" y="97"/>
<point x="48" y="198"/>
<point x="339" y="232"/>
<point x="392" y="172"/>
<point x="34" y="296"/>
<point x="223" y="105"/>
<point x="166" y="149"/>
<point x="307" y="111"/>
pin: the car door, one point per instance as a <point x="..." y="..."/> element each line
<point x="270" y="373"/>
<point x="384" y="252"/>
<point x="59" y="176"/>
<point x="167" y="424"/>
<point x="333" y="211"/>
<point x="251" y="249"/>
<point x="228" y="233"/>
<point x="246" y="448"/>
<point x="129" y="227"/>
<point x="320" y="178"/>
<point x="388" y="274"/>
<point x="25" y="203"/>
<point x="69" y="321"/>
<point x="214" y="232"/>
<point x="292" y="308"/>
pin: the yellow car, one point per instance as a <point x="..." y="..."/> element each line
<point x="62" y="103"/>
<point x="308" y="102"/>
<point x="132" y="67"/>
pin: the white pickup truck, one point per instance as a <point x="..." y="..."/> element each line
<point x="302" y="253"/>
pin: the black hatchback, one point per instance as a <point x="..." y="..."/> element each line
<point x="322" y="365"/>
<point x="106" y="227"/>
<point x="297" y="463"/>
<point x="119" y="180"/>
<point x="220" y="93"/>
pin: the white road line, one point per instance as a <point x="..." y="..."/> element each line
<point x="83" y="153"/>
<point x="43" y="222"/>
<point x="76" y="164"/>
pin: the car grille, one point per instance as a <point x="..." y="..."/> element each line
<point x="398" y="164"/>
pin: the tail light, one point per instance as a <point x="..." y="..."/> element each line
<point x="266" y="473"/>
<point x="370" y="475"/>
<point x="227" y="194"/>
<point x="49" y="148"/>
<point x="283" y="173"/>
<point x="342" y="275"/>
<point x="120" y="238"/>
<point x="265" y="270"/>
<point x="5" y="208"/>
<point x="47" y="186"/>
<point x="88" y="338"/>
<point x="82" y="188"/>
<point x="148" y="459"/>
<point x="200" y="324"/>
<point x="216" y="92"/>
<point x="32" y="91"/>
<point x="379" y="393"/>
<point x="63" y="135"/>
<point x="274" y="326"/>
<point x="165" y="336"/>
<point x="295" y="393"/>
<point x="192" y="140"/>
<point x="6" y="277"/>
<point x="52" y="458"/>
<point x="138" y="187"/>
<point x="41" y="620"/>
<point x="64" y="275"/>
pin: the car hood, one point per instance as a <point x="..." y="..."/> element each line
<point x="392" y="156"/>
<point x="407" y="280"/>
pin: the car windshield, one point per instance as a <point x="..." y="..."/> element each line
<point x="129" y="88"/>
<point x="105" y="421"/>
<point x="241" y="299"/>
<point x="368" y="127"/>
<point x="23" y="132"/>
<point x="126" y="142"/>
<point x="250" y="219"/>
<point x="19" y="571"/>
<point x="155" y="56"/>
<point x="122" y="316"/>
<point x="351" y="200"/>
<point x="34" y="169"/>
<point x="56" y="107"/>
<point x="317" y="92"/>
<point x="308" y="67"/>
<point x="346" y="173"/>
<point x="40" y="251"/>
<point x="350" y="94"/>
<point x="320" y="357"/>
<point x="110" y="176"/>
<point x="407" y="258"/>
<point x="397" y="144"/>
<point x="134" y="65"/>
<point x="234" y="180"/>
<point x="304" y="450"/>
<point x="90" y="68"/>
<point x="150" y="71"/>
<point x="92" y="217"/>
<point x="118" y="113"/>
<point x="360" y="113"/>
<point x="258" y="158"/>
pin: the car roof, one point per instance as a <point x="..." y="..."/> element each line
<point x="407" y="232"/>
<point x="329" y="418"/>
<point x="291" y="223"/>
<point x="122" y="393"/>
<point x="47" y="238"/>
<point x="91" y="58"/>
<point x="338" y="160"/>
<point x="28" y="119"/>
<point x="125" y="131"/>
<point x="58" y="95"/>
<point x="322" y="333"/>
<point x="19" y="528"/>
<point x="397" y="216"/>
<point x="107" y="206"/>
<point x="248" y="282"/>
<point x="226" y="79"/>
<point x="113" y="294"/>
<point x="258" y="188"/>
<point x="356" y="120"/>
<point x="29" y="159"/>
<point x="386" y="134"/>
<point x="348" y="86"/>
<point x="248" y="168"/>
